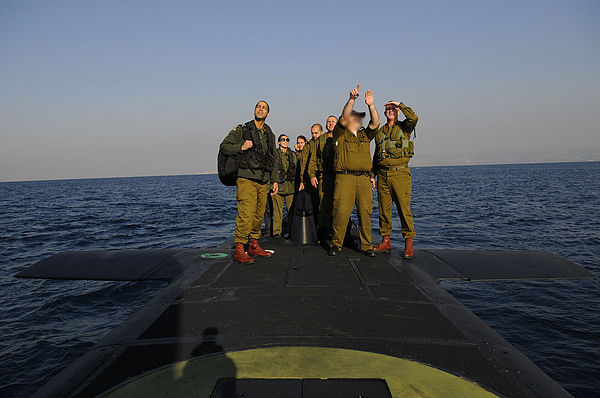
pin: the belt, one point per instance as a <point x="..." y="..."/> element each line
<point x="355" y="173"/>
<point x="320" y="173"/>
<point x="393" y="168"/>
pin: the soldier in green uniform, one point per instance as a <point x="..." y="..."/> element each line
<point x="353" y="167"/>
<point x="301" y="149"/>
<point x="322" y="177"/>
<point x="393" y="150"/>
<point x="287" y="177"/>
<point x="316" y="131"/>
<point x="254" y="143"/>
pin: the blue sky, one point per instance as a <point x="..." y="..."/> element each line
<point x="116" y="88"/>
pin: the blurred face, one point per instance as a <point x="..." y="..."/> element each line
<point x="331" y="122"/>
<point x="391" y="113"/>
<point x="261" y="111"/>
<point x="300" y="142"/>
<point x="355" y="123"/>
<point x="284" y="141"/>
<point x="315" y="131"/>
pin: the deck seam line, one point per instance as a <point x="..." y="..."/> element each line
<point x="220" y="274"/>
<point x="361" y="278"/>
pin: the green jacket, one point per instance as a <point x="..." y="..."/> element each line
<point x="287" y="185"/>
<point x="323" y="161"/>
<point x="232" y="145"/>
<point x="299" y="176"/>
<point x="353" y="152"/>
<point x="307" y="153"/>
<point x="393" y="147"/>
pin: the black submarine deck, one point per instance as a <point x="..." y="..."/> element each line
<point x="302" y="298"/>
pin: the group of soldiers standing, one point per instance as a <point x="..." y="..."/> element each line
<point x="335" y="167"/>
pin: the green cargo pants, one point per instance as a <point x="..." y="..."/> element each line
<point x="278" y="201"/>
<point x="326" y="191"/>
<point x="395" y="186"/>
<point x="315" y="199"/>
<point x="251" y="199"/>
<point x="351" y="190"/>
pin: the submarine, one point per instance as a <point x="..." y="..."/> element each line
<point x="302" y="324"/>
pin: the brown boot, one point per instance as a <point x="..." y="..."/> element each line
<point x="255" y="250"/>
<point x="240" y="255"/>
<point x="408" y="248"/>
<point x="384" y="246"/>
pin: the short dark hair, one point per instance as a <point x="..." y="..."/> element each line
<point x="282" y="135"/>
<point x="336" y="118"/>
<point x="303" y="137"/>
<point x="317" y="124"/>
<point x="268" y="107"/>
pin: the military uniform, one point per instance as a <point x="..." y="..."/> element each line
<point x="393" y="150"/>
<point x="353" y="166"/>
<point x="310" y="153"/>
<point x="321" y="166"/>
<point x="301" y="175"/>
<point x="258" y="166"/>
<point x="287" y="177"/>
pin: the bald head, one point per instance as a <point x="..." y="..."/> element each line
<point x="331" y="122"/>
<point x="316" y="130"/>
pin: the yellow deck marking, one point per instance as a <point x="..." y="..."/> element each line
<point x="197" y="377"/>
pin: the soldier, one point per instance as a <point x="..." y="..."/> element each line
<point x="254" y="143"/>
<point x="353" y="166"/>
<point x="301" y="151"/>
<point x="316" y="130"/>
<point x="287" y="175"/>
<point x="393" y="150"/>
<point x="322" y="177"/>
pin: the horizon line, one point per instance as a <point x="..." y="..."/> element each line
<point x="215" y="172"/>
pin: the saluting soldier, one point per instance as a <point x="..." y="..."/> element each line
<point x="287" y="176"/>
<point x="254" y="143"/>
<point x="322" y="177"/>
<point x="353" y="173"/>
<point x="393" y="150"/>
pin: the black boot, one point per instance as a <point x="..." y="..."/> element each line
<point x="334" y="250"/>
<point x="369" y="253"/>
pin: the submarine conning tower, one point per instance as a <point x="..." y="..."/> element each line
<point x="302" y="324"/>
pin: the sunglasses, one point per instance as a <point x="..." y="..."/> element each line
<point x="284" y="139"/>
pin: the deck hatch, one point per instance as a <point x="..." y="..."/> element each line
<point x="300" y="388"/>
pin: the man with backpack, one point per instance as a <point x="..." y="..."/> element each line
<point x="247" y="156"/>
<point x="393" y="150"/>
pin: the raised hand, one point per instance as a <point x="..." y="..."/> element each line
<point x="369" y="98"/>
<point x="394" y="104"/>
<point x="354" y="94"/>
<point x="246" y="145"/>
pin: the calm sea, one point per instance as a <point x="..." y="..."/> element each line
<point x="555" y="207"/>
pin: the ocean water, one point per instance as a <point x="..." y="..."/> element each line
<point x="554" y="207"/>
